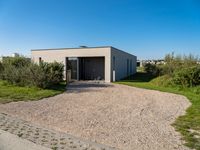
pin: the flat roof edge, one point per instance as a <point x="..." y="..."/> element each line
<point x="70" y="48"/>
<point x="122" y="51"/>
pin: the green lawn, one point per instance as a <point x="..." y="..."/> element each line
<point x="9" y="93"/>
<point x="189" y="124"/>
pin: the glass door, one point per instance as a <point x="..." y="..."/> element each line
<point x="73" y="66"/>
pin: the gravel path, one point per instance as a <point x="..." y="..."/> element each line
<point x="116" y="115"/>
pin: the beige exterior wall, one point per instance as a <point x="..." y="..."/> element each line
<point x="121" y="58"/>
<point x="59" y="55"/>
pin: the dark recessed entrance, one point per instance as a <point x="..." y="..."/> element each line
<point x="87" y="68"/>
<point x="73" y="67"/>
<point x="91" y="68"/>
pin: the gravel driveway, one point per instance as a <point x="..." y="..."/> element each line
<point x="115" y="115"/>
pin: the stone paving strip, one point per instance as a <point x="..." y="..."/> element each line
<point x="17" y="143"/>
<point x="45" y="137"/>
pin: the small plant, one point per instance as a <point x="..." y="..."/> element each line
<point x="62" y="143"/>
<point x="20" y="134"/>
<point x="44" y="140"/>
<point x="37" y="133"/>
<point x="54" y="148"/>
<point x="62" y="139"/>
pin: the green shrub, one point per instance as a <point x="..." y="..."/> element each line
<point x="54" y="71"/>
<point x="187" y="77"/>
<point x="46" y="74"/>
<point x="16" y="61"/>
<point x="21" y="71"/>
<point x="174" y="63"/>
<point x="153" y="69"/>
<point x="150" y="68"/>
<point x="11" y="74"/>
<point x="38" y="76"/>
<point x="14" y="69"/>
<point x="178" y="70"/>
<point x="164" y="81"/>
<point x="1" y="70"/>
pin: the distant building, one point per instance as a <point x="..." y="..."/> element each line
<point x="13" y="55"/>
<point x="141" y="63"/>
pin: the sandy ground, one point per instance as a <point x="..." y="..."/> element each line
<point x="115" y="115"/>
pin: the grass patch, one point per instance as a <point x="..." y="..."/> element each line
<point x="10" y="93"/>
<point x="189" y="124"/>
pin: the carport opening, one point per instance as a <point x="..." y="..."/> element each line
<point x="86" y="68"/>
<point x="91" y="68"/>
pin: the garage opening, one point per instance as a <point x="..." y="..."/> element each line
<point x="86" y="68"/>
<point x="91" y="68"/>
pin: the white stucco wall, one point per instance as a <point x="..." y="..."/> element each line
<point x="59" y="55"/>
<point x="121" y="58"/>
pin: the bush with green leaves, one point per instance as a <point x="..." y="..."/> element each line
<point x="14" y="69"/>
<point x="153" y="69"/>
<point x="16" y="61"/>
<point x="21" y="71"/>
<point x="1" y="69"/>
<point x="46" y="74"/>
<point x="187" y="77"/>
<point x="180" y="70"/>
<point x="174" y="63"/>
<point x="183" y="70"/>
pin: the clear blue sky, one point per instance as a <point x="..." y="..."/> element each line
<point x="146" y="28"/>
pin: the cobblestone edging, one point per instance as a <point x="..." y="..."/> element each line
<point x="45" y="137"/>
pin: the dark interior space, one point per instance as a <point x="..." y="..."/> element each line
<point x="91" y="68"/>
<point x="72" y="65"/>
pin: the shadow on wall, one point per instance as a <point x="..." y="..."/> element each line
<point x="86" y="86"/>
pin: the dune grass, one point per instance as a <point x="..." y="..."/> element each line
<point x="189" y="124"/>
<point x="10" y="93"/>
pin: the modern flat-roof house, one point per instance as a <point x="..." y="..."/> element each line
<point x="90" y="63"/>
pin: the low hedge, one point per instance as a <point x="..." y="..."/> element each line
<point x="21" y="71"/>
<point x="180" y="70"/>
<point x="187" y="77"/>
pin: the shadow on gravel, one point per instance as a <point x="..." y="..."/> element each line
<point x="86" y="86"/>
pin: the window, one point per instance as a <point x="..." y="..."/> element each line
<point x="40" y="59"/>
<point x="131" y="69"/>
<point x="113" y="62"/>
<point x="127" y="67"/>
